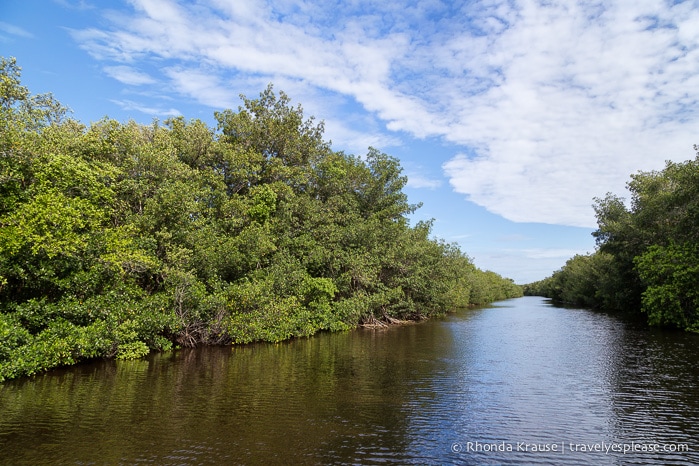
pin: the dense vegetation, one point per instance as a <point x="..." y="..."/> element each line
<point x="647" y="260"/>
<point x="118" y="239"/>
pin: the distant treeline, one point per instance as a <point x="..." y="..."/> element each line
<point x="647" y="260"/>
<point x="118" y="239"/>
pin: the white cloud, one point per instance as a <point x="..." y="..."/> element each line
<point x="128" y="75"/>
<point x="417" y="180"/>
<point x="548" y="253"/>
<point x="148" y="110"/>
<point x="525" y="265"/>
<point x="582" y="105"/>
<point x="202" y="85"/>
<point x="80" y="5"/>
<point x="553" y="102"/>
<point x="15" y="30"/>
<point x="356" y="140"/>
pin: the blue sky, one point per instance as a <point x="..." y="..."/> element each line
<point x="508" y="116"/>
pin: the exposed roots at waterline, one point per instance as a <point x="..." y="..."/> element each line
<point x="385" y="322"/>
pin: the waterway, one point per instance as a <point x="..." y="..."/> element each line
<point x="519" y="382"/>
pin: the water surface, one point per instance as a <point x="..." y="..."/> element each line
<point x="484" y="386"/>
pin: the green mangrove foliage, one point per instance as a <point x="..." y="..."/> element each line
<point x="117" y="239"/>
<point x="647" y="259"/>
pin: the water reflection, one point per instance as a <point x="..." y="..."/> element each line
<point x="542" y="374"/>
<point x="521" y="371"/>
<point x="655" y="393"/>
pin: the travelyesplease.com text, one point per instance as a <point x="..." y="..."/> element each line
<point x="574" y="447"/>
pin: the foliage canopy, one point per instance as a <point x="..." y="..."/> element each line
<point x="647" y="260"/>
<point x="118" y="238"/>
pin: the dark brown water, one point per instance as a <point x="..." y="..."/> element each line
<point x="486" y="386"/>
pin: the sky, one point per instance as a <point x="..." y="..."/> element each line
<point x="509" y="117"/>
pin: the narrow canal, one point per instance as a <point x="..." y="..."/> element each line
<point x="519" y="382"/>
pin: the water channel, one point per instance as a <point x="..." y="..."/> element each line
<point x="519" y="382"/>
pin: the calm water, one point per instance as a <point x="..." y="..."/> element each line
<point x="459" y="390"/>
